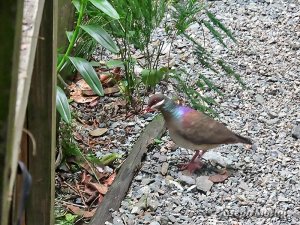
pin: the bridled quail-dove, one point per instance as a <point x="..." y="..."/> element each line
<point x="192" y="129"/>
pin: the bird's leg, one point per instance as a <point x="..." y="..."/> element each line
<point x="194" y="164"/>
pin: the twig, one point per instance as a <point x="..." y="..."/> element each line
<point x="70" y="203"/>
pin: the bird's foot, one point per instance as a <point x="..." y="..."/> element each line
<point x="191" y="166"/>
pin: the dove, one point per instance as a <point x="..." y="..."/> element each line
<point x="192" y="129"/>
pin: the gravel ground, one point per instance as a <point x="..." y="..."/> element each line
<point x="264" y="184"/>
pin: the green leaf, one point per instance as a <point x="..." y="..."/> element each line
<point x="88" y="73"/>
<point x="153" y="77"/>
<point x="157" y="141"/>
<point x="95" y="64"/>
<point x="62" y="105"/>
<point x="106" y="7"/>
<point x="69" y="35"/>
<point x="218" y="23"/>
<point x="210" y="84"/>
<point x="229" y="71"/>
<point x="101" y="36"/>
<point x="70" y="217"/>
<point x="214" y="32"/>
<point x="76" y="3"/>
<point x="115" y="63"/>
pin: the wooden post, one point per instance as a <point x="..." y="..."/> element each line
<point x="10" y="35"/>
<point x="41" y="116"/>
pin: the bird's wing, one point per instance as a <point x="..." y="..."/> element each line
<point x="201" y="129"/>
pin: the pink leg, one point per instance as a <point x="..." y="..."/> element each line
<point x="194" y="164"/>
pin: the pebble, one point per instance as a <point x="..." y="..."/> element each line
<point x="217" y="158"/>
<point x="296" y="132"/>
<point x="260" y="99"/>
<point x="164" y="168"/>
<point x="154" y="223"/>
<point x="203" y="183"/>
<point x="186" y="179"/>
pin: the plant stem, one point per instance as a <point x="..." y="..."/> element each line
<point x="74" y="36"/>
<point x="62" y="80"/>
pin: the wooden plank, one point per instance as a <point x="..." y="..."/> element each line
<point x="41" y="116"/>
<point x="119" y="188"/>
<point x="32" y="14"/>
<point x="65" y="23"/>
<point x="10" y="36"/>
<point x="18" y="190"/>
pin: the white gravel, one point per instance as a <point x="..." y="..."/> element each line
<point x="264" y="186"/>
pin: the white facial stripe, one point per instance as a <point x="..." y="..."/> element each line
<point x="158" y="104"/>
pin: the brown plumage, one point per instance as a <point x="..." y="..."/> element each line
<point x="192" y="129"/>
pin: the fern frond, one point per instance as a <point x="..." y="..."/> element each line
<point x="214" y="32"/>
<point x="229" y="71"/>
<point x="218" y="23"/>
<point x="210" y="84"/>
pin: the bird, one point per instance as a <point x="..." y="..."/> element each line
<point x="192" y="129"/>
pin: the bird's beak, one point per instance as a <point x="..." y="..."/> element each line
<point x="149" y="109"/>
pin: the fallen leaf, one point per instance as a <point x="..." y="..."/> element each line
<point x="77" y="136"/>
<point x="88" y="191"/>
<point x="100" y="199"/>
<point x="219" y="177"/>
<point x="86" y="178"/>
<point x="88" y="93"/>
<point x="101" y="188"/>
<point x="76" y="92"/>
<point x="104" y="77"/>
<point x="83" y="85"/>
<point x="93" y="103"/>
<point x="111" y="90"/>
<point x="92" y="171"/>
<point x="110" y="179"/>
<point x="80" y="212"/>
<point x="98" y="132"/>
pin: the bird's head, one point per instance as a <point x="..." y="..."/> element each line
<point x="156" y="102"/>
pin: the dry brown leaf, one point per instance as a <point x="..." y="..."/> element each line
<point x="93" y="103"/>
<point x="77" y="136"/>
<point x="76" y="92"/>
<point x="83" y="85"/>
<point x="219" y="177"/>
<point x="103" y="77"/>
<point x="111" y="90"/>
<point x="98" y="132"/>
<point x="88" y="191"/>
<point x="80" y="212"/>
<point x="100" y="199"/>
<point x="101" y="188"/>
<point x="110" y="179"/>
<point x="88" y="93"/>
<point x="92" y="171"/>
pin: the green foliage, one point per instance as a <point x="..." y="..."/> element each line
<point x="88" y="73"/>
<point x="153" y="77"/>
<point x="185" y="14"/>
<point x="67" y="142"/>
<point x="106" y="7"/>
<point x="62" y="105"/>
<point x="104" y="160"/>
<point x="214" y="32"/>
<point x="66" y="219"/>
<point x="101" y="36"/>
<point x="82" y="65"/>
<point x="134" y="29"/>
<point x="218" y="23"/>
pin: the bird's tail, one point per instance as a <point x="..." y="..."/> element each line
<point x="244" y="140"/>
